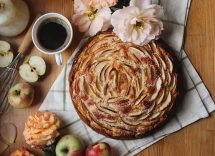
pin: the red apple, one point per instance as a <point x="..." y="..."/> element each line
<point x="99" y="149"/>
<point x="21" y="95"/>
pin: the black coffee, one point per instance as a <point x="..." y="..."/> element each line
<point x="52" y="35"/>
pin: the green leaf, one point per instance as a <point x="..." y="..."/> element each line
<point x="50" y="150"/>
<point x="49" y="153"/>
<point x="122" y="3"/>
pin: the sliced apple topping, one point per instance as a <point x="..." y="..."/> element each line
<point x="158" y="87"/>
<point x="170" y="64"/>
<point x="6" y="55"/>
<point x="140" y="98"/>
<point x="162" y="62"/>
<point x="160" y="97"/>
<point x="132" y="86"/>
<point x="155" y="115"/>
<point x="131" y="121"/>
<point x="99" y="66"/>
<point x="32" y="69"/>
<point x="166" y="102"/>
<point x="163" y="75"/>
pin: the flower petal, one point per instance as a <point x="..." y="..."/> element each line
<point x="82" y="21"/>
<point x="80" y="6"/>
<point x="98" y="4"/>
<point x="134" y="35"/>
<point x="96" y="26"/>
<point x="85" y="26"/>
<point x="140" y="3"/>
<point x="106" y="26"/>
<point x="156" y="29"/>
<point x="75" y="18"/>
<point x="105" y="13"/>
<point x="121" y="18"/>
<point x="154" y="11"/>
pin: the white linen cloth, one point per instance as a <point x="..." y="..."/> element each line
<point x="196" y="104"/>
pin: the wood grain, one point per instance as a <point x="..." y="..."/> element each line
<point x="195" y="140"/>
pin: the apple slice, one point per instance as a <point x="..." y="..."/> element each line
<point x="6" y="56"/>
<point x="8" y="133"/>
<point x="38" y="64"/>
<point x="27" y="73"/>
<point x="32" y="69"/>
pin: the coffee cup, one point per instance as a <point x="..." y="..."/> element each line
<point x="52" y="34"/>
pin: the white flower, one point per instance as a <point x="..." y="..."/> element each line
<point x="138" y="23"/>
<point x="98" y="4"/>
<point x="89" y="19"/>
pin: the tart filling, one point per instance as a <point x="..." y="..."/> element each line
<point x="120" y="89"/>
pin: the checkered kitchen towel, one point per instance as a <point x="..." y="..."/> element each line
<point x="197" y="103"/>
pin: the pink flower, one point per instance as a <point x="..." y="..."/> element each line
<point x="138" y="23"/>
<point x="89" y="19"/>
<point x="98" y="4"/>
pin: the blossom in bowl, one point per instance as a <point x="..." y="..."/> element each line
<point x="89" y="19"/>
<point x="98" y="4"/>
<point x="138" y="23"/>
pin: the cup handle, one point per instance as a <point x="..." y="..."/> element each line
<point x="59" y="59"/>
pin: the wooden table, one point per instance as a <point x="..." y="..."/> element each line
<point x="195" y="140"/>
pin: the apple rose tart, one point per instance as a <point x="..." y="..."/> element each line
<point x="41" y="130"/>
<point x="123" y="90"/>
<point x="21" y="152"/>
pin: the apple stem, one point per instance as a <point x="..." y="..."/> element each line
<point x="17" y="92"/>
<point x="65" y="150"/>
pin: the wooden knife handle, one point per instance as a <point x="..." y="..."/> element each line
<point x="27" y="41"/>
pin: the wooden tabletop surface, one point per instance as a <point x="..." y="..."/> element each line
<point x="195" y="140"/>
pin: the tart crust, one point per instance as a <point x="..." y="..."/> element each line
<point x="122" y="90"/>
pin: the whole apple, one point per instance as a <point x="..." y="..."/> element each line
<point x="69" y="145"/>
<point x="99" y="149"/>
<point x="21" y="95"/>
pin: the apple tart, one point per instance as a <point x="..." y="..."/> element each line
<point x="123" y="90"/>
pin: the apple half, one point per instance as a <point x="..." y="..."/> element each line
<point x="6" y="55"/>
<point x="32" y="69"/>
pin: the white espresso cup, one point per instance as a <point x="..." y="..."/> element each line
<point x="57" y="18"/>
